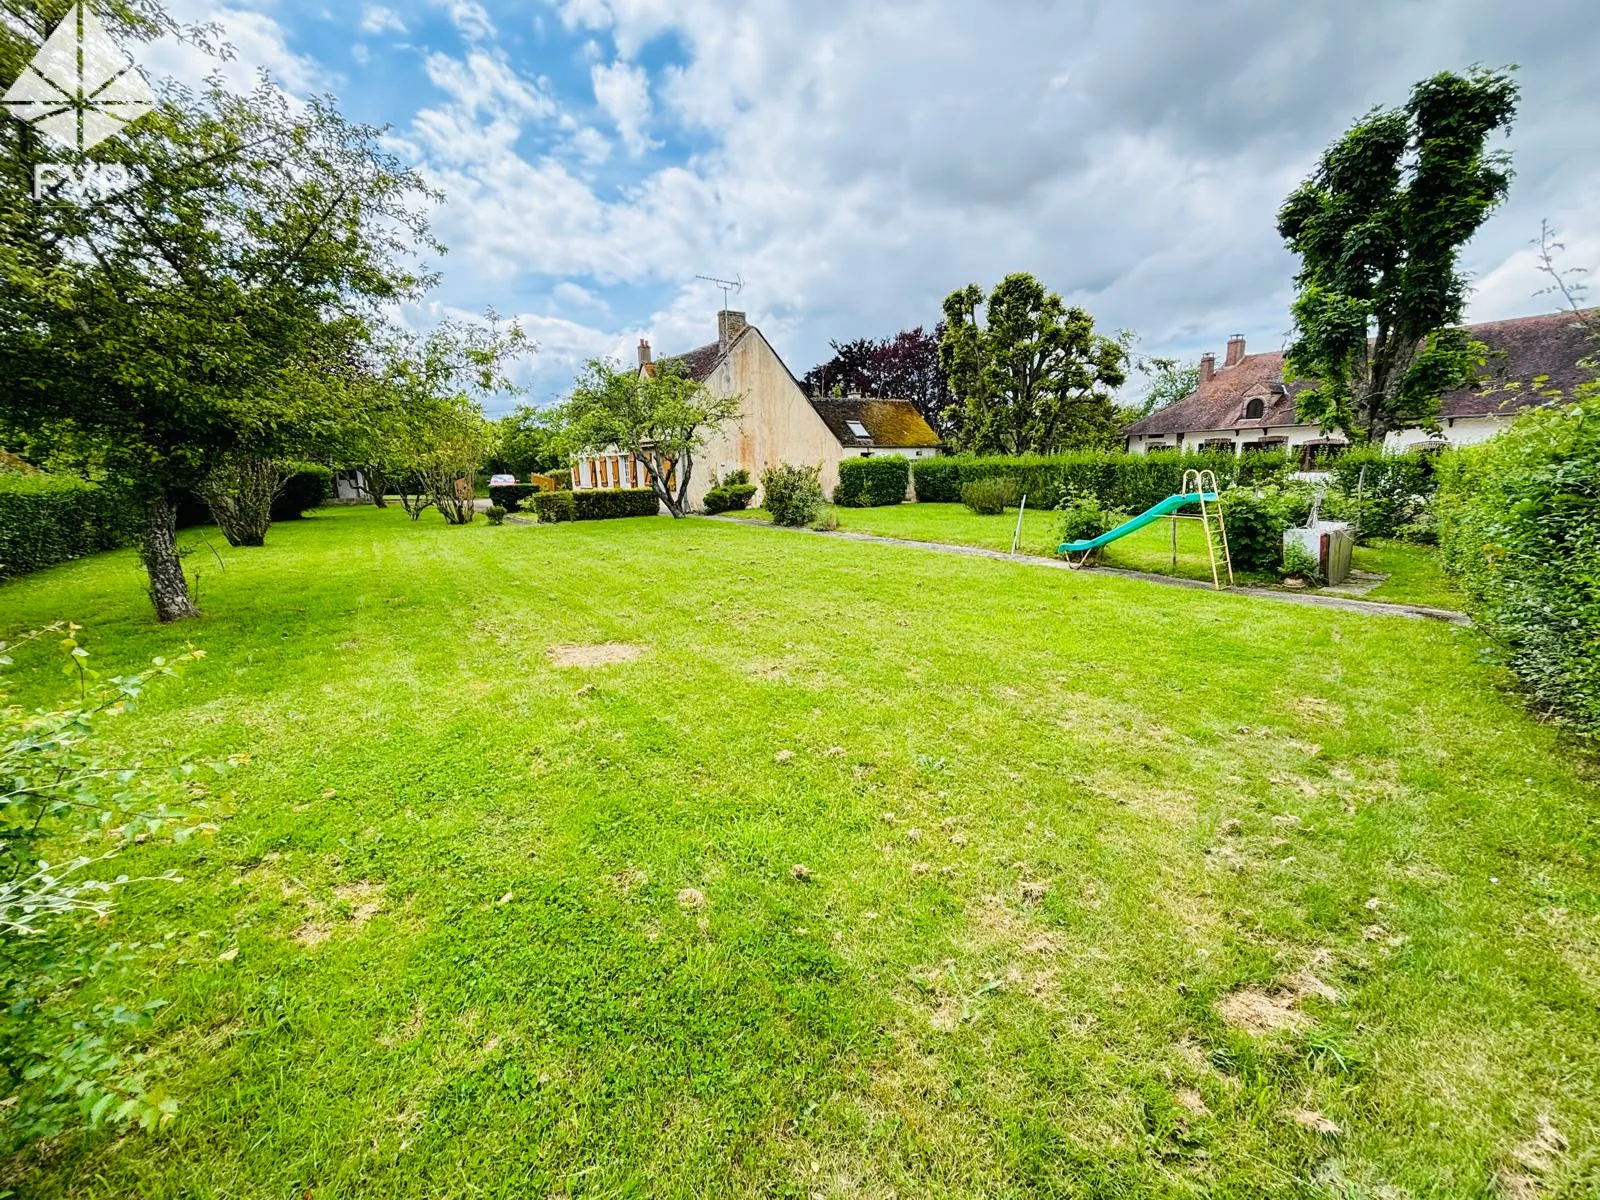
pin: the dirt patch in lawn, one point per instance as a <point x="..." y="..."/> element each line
<point x="607" y="654"/>
<point x="1259" y="1013"/>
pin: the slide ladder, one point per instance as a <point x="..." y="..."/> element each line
<point x="1198" y="487"/>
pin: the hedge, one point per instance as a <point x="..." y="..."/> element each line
<point x="48" y="519"/>
<point x="872" y="482"/>
<point x="1131" y="482"/>
<point x="1520" y="527"/>
<point x="554" y="507"/>
<point x="729" y="497"/>
<point x="622" y="502"/>
<point x="308" y="486"/>
<point x="1394" y="490"/>
<point x="510" y="496"/>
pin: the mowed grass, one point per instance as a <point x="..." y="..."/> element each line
<point x="1415" y="576"/>
<point x="1115" y="889"/>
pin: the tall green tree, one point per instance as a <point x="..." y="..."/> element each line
<point x="1379" y="228"/>
<point x="662" y="419"/>
<point x="152" y="333"/>
<point x="1170" y="381"/>
<point x="1029" y="375"/>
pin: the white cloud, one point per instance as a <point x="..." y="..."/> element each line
<point x="622" y="91"/>
<point x="592" y="146"/>
<point x="375" y="18"/>
<point x="470" y="17"/>
<point x="258" y="41"/>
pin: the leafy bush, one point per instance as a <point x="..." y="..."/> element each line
<point x="1084" y="519"/>
<point x="47" y="519"/>
<point x="553" y="507"/>
<point x="793" y="495"/>
<point x="308" y="486"/>
<point x="1520" y="526"/>
<point x="513" y="496"/>
<point x="495" y="514"/>
<point x="873" y="482"/>
<point x="991" y="497"/>
<point x="1257" y="519"/>
<point x="730" y="497"/>
<point x="736" y="477"/>
<point x="1298" y="562"/>
<point x="563" y="480"/>
<point x="1128" y="482"/>
<point x="65" y="1063"/>
<point x="1378" y="493"/>
<point x="611" y="504"/>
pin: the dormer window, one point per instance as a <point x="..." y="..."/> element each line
<point x="1254" y="408"/>
<point x="860" y="430"/>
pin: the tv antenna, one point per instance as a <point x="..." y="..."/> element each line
<point x="735" y="285"/>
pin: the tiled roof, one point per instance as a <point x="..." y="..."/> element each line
<point x="1520" y="351"/>
<point x="703" y="360"/>
<point x="895" y="424"/>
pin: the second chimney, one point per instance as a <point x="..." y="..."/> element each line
<point x="729" y="326"/>
<point x="1235" y="350"/>
<point x="1208" y="367"/>
<point x="644" y="353"/>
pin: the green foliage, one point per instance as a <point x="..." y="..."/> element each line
<point x="47" y="519"/>
<point x="1084" y="518"/>
<point x="792" y="494"/>
<point x="1257" y="519"/>
<point x="495" y="514"/>
<point x="1298" y="562"/>
<point x="1380" y="493"/>
<point x="308" y="486"/>
<point x="1127" y="482"/>
<point x="663" y="420"/>
<point x="563" y="479"/>
<point x="991" y="497"/>
<point x="1520" y="527"/>
<point x="554" y="507"/>
<point x="526" y="443"/>
<point x="597" y="505"/>
<point x="1030" y="376"/>
<point x="62" y="1066"/>
<point x="730" y="497"/>
<point x="734" y="478"/>
<point x="1170" y="381"/>
<point x="873" y="482"/>
<point x="513" y="496"/>
<point x="1378" y="229"/>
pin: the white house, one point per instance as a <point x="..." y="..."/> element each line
<point x="777" y="421"/>
<point x="1246" y="405"/>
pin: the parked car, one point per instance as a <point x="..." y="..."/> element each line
<point x="502" y="480"/>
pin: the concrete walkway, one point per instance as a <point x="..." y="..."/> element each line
<point x="1306" y="599"/>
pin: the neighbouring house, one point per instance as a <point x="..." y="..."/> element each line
<point x="777" y="423"/>
<point x="1245" y="404"/>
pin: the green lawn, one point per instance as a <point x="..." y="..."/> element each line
<point x="1416" y="577"/>
<point x="1115" y="890"/>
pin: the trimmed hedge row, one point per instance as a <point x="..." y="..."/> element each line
<point x="48" y="519"/>
<point x="1131" y="482"/>
<point x="622" y="502"/>
<point x="511" y="496"/>
<point x="1520" y="527"/>
<point x="872" y="482"/>
<point x="554" y="507"/>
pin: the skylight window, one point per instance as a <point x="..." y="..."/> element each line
<point x="860" y="430"/>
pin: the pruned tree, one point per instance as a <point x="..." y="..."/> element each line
<point x="1029" y="374"/>
<point x="662" y="419"/>
<point x="1379" y="228"/>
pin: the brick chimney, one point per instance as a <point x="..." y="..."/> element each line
<point x="644" y="353"/>
<point x="729" y="326"/>
<point x="1208" y="367"/>
<point x="1235" y="350"/>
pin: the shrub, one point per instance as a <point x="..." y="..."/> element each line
<point x="736" y="477"/>
<point x="47" y="519"/>
<point x="1300" y="562"/>
<point x="562" y="480"/>
<point x="1520" y="526"/>
<point x="495" y="514"/>
<point x="1083" y="518"/>
<point x="611" y="504"/>
<point x="991" y="497"/>
<point x="1127" y="482"/>
<point x="513" y="496"/>
<point x="730" y="497"/>
<point x="1257" y="519"/>
<point x="872" y="482"/>
<point x="553" y="507"/>
<point x="793" y="495"/>
<point x="307" y="486"/>
<point x="1378" y="493"/>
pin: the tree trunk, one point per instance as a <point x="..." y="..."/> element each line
<point x="377" y="486"/>
<point x="240" y="492"/>
<point x="169" y="590"/>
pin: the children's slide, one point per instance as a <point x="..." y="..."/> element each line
<point x="1166" y="508"/>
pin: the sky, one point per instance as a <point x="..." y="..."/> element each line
<point x="853" y="163"/>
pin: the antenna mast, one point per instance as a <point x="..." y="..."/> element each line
<point x="735" y="285"/>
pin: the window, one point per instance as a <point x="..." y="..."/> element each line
<point x="860" y="430"/>
<point x="1254" y="408"/>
